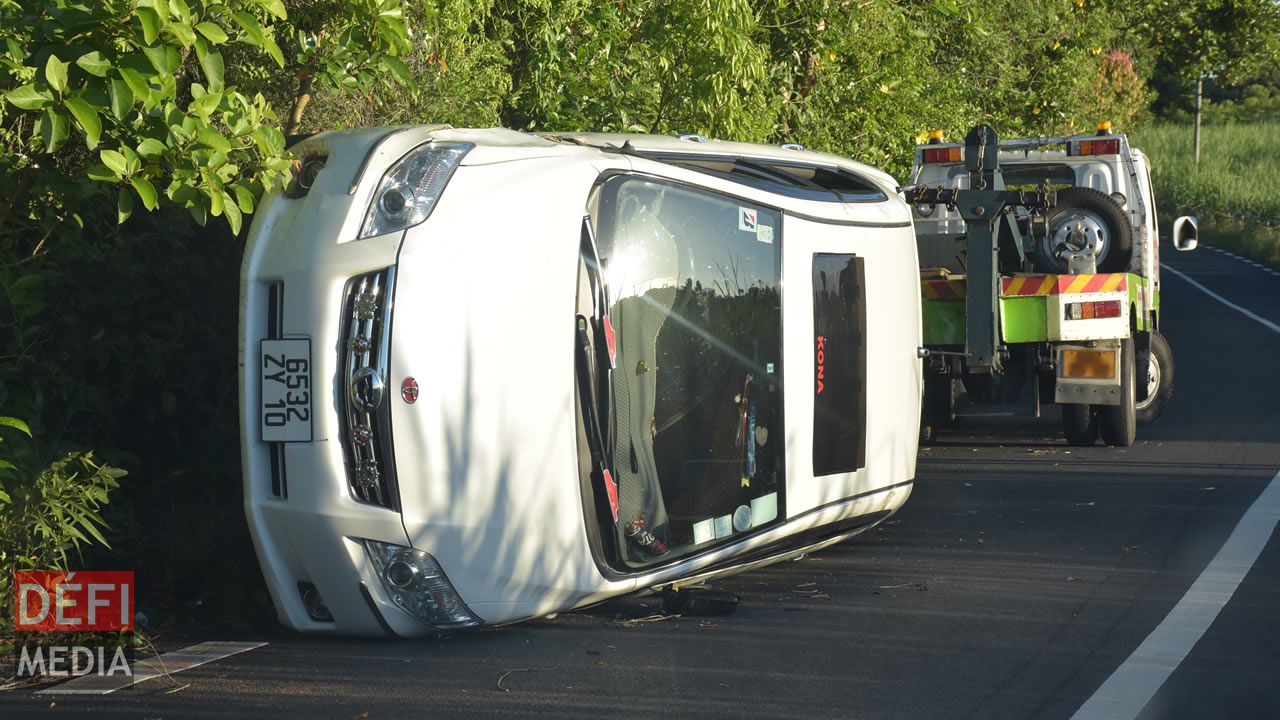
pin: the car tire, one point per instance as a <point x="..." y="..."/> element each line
<point x="1097" y="211"/>
<point x="1159" y="386"/>
<point x="1079" y="424"/>
<point x="1119" y="423"/>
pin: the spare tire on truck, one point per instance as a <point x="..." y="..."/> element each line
<point x="1095" y="218"/>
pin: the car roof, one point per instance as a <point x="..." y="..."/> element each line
<point x="698" y="145"/>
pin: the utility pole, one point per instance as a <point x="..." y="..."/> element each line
<point x="1199" y="97"/>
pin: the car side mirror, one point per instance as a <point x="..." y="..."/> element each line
<point x="1185" y="233"/>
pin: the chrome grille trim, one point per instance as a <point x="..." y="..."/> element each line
<point x="367" y="314"/>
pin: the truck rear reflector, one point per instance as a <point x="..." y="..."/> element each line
<point x="1082" y="364"/>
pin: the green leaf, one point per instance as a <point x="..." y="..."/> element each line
<point x="124" y="205"/>
<point x="215" y="34"/>
<point x="180" y="194"/>
<point x="146" y="191"/>
<point x="15" y="423"/>
<point x="399" y="69"/>
<point x="251" y="28"/>
<point x="180" y="10"/>
<point x="151" y="148"/>
<point x="94" y="64"/>
<point x="215" y="201"/>
<point x="182" y="32"/>
<point x="211" y="138"/>
<point x="273" y="50"/>
<point x="205" y="105"/>
<point x="132" y="163"/>
<point x="101" y="173"/>
<point x="28" y="98"/>
<point x="138" y="84"/>
<point x="244" y="198"/>
<point x="232" y="212"/>
<point x="199" y="213"/>
<point x="54" y="129"/>
<point x="211" y="63"/>
<point x="121" y="98"/>
<point x="275" y="7"/>
<point x="116" y="162"/>
<point x="150" y="20"/>
<point x="164" y="58"/>
<point x="87" y="116"/>
<point x="55" y="71"/>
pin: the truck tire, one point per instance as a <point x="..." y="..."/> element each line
<point x="1098" y="216"/>
<point x="1119" y="423"/>
<point x="1159" y="386"/>
<point x="1079" y="424"/>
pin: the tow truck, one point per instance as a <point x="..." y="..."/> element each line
<point x="1040" y="281"/>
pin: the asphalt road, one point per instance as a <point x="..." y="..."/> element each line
<point x="1017" y="578"/>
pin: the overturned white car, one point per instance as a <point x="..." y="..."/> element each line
<point x="488" y="375"/>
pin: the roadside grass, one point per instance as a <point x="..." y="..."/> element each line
<point x="1233" y="189"/>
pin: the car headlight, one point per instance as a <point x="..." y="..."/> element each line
<point x="417" y="585"/>
<point x="409" y="190"/>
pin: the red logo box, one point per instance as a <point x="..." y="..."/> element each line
<point x="76" y="601"/>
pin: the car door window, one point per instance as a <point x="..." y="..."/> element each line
<point x="695" y="303"/>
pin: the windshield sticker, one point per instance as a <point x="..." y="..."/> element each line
<point x="747" y="219"/>
<point x="704" y="531"/>
<point x="764" y="233"/>
<point x="724" y="526"/>
<point x="764" y="509"/>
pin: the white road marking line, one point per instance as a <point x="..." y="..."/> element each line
<point x="1247" y="313"/>
<point x="1128" y="690"/>
<point x="1137" y="680"/>
<point x="143" y="670"/>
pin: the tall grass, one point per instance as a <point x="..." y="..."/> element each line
<point x="1234" y="188"/>
<point x="1238" y="175"/>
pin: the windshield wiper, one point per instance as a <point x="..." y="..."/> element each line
<point x="595" y="386"/>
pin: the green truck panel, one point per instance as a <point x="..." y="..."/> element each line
<point x="1023" y="318"/>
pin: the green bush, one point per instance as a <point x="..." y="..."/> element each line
<point x="48" y="515"/>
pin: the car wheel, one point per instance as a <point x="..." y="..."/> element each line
<point x="1119" y="423"/>
<point x="1101" y="220"/>
<point x="1159" y="386"/>
<point x="1079" y="424"/>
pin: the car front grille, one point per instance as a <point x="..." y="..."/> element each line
<point x="365" y="395"/>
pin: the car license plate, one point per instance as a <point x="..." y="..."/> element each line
<point x="286" y="390"/>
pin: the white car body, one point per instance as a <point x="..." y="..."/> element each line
<point x="489" y="459"/>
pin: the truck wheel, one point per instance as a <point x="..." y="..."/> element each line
<point x="1079" y="424"/>
<point x="1119" y="423"/>
<point x="1159" y="386"/>
<point x="1102" y="221"/>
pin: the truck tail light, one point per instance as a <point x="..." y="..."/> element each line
<point x="1093" y="310"/>
<point x="1101" y="146"/>
<point x="943" y="154"/>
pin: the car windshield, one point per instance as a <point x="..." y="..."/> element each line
<point x="695" y="299"/>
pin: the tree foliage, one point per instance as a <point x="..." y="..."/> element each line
<point x="129" y="102"/>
